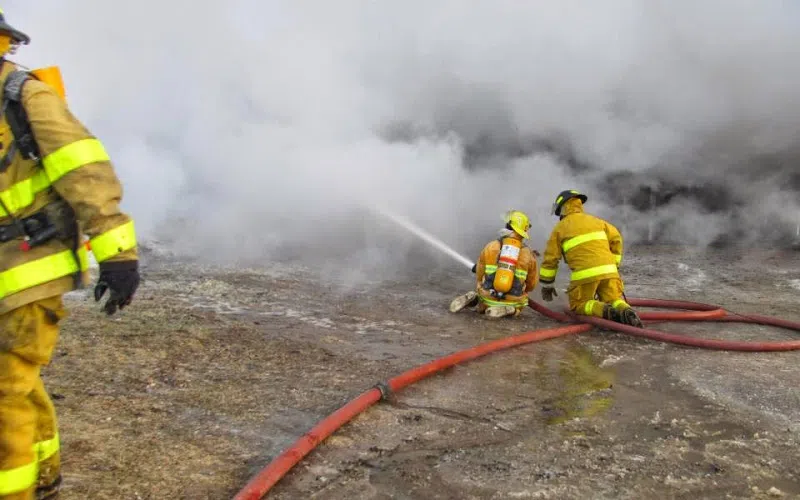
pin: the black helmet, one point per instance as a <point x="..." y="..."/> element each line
<point x="14" y="33"/>
<point x="562" y="198"/>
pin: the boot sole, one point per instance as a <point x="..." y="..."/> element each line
<point x="500" y="311"/>
<point x="465" y="300"/>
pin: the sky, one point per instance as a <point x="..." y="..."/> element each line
<point x="244" y="129"/>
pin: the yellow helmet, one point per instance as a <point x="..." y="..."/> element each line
<point x="518" y="222"/>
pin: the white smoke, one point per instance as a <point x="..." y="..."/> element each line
<point x="242" y="128"/>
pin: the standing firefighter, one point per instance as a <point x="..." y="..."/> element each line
<point x="592" y="249"/>
<point x="506" y="272"/>
<point x="56" y="185"/>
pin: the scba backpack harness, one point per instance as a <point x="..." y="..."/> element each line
<point x="23" y="143"/>
<point x="54" y="221"/>
<point x="503" y="278"/>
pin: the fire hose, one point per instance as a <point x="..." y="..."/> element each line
<point x="269" y="476"/>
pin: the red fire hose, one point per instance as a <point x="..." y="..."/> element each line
<point x="267" y="478"/>
<point x="260" y="484"/>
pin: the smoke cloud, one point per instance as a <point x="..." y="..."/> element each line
<point x="256" y="130"/>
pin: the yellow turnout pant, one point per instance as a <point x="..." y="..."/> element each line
<point x="29" y="444"/>
<point x="582" y="297"/>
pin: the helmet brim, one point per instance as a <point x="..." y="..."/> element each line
<point x="521" y="232"/>
<point x="14" y="33"/>
<point x="556" y="210"/>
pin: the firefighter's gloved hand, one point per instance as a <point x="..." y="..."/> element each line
<point x="121" y="279"/>
<point x="548" y="292"/>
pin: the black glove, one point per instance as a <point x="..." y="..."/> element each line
<point x="474" y="267"/>
<point x="121" y="279"/>
<point x="548" y="292"/>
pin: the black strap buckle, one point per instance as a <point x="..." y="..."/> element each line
<point x="9" y="232"/>
<point x="37" y="226"/>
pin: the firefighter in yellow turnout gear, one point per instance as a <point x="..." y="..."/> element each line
<point x="57" y="187"/>
<point x="592" y="248"/>
<point x="506" y="272"/>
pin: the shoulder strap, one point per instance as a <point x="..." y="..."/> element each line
<point x="17" y="119"/>
<point x="499" y="250"/>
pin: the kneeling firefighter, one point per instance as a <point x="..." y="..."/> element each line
<point x="592" y="248"/>
<point x="506" y="272"/>
<point x="57" y="187"/>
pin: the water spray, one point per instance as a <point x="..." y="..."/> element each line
<point x="429" y="238"/>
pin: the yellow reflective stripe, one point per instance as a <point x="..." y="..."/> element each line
<point x="490" y="268"/>
<point x="18" y="479"/>
<point x="21" y="194"/>
<point x="489" y="302"/>
<point x="619" y="303"/>
<point x="547" y="273"/>
<point x="521" y="274"/>
<point x="588" y="308"/>
<point x="110" y="243"/>
<point x="571" y="191"/>
<point x="36" y="272"/>
<point x="618" y="258"/>
<point x="594" y="271"/>
<point x="47" y="448"/>
<point x="72" y="156"/>
<point x="580" y="240"/>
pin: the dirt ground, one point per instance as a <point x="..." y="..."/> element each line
<point x="213" y="372"/>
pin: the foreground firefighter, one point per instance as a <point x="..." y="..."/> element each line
<point x="592" y="248"/>
<point x="57" y="186"/>
<point x="505" y="272"/>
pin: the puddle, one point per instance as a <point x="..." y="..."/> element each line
<point x="582" y="384"/>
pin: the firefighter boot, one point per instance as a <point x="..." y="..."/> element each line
<point x="50" y="491"/>
<point x="469" y="299"/>
<point x="611" y="314"/>
<point x="500" y="311"/>
<point x="629" y="317"/>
